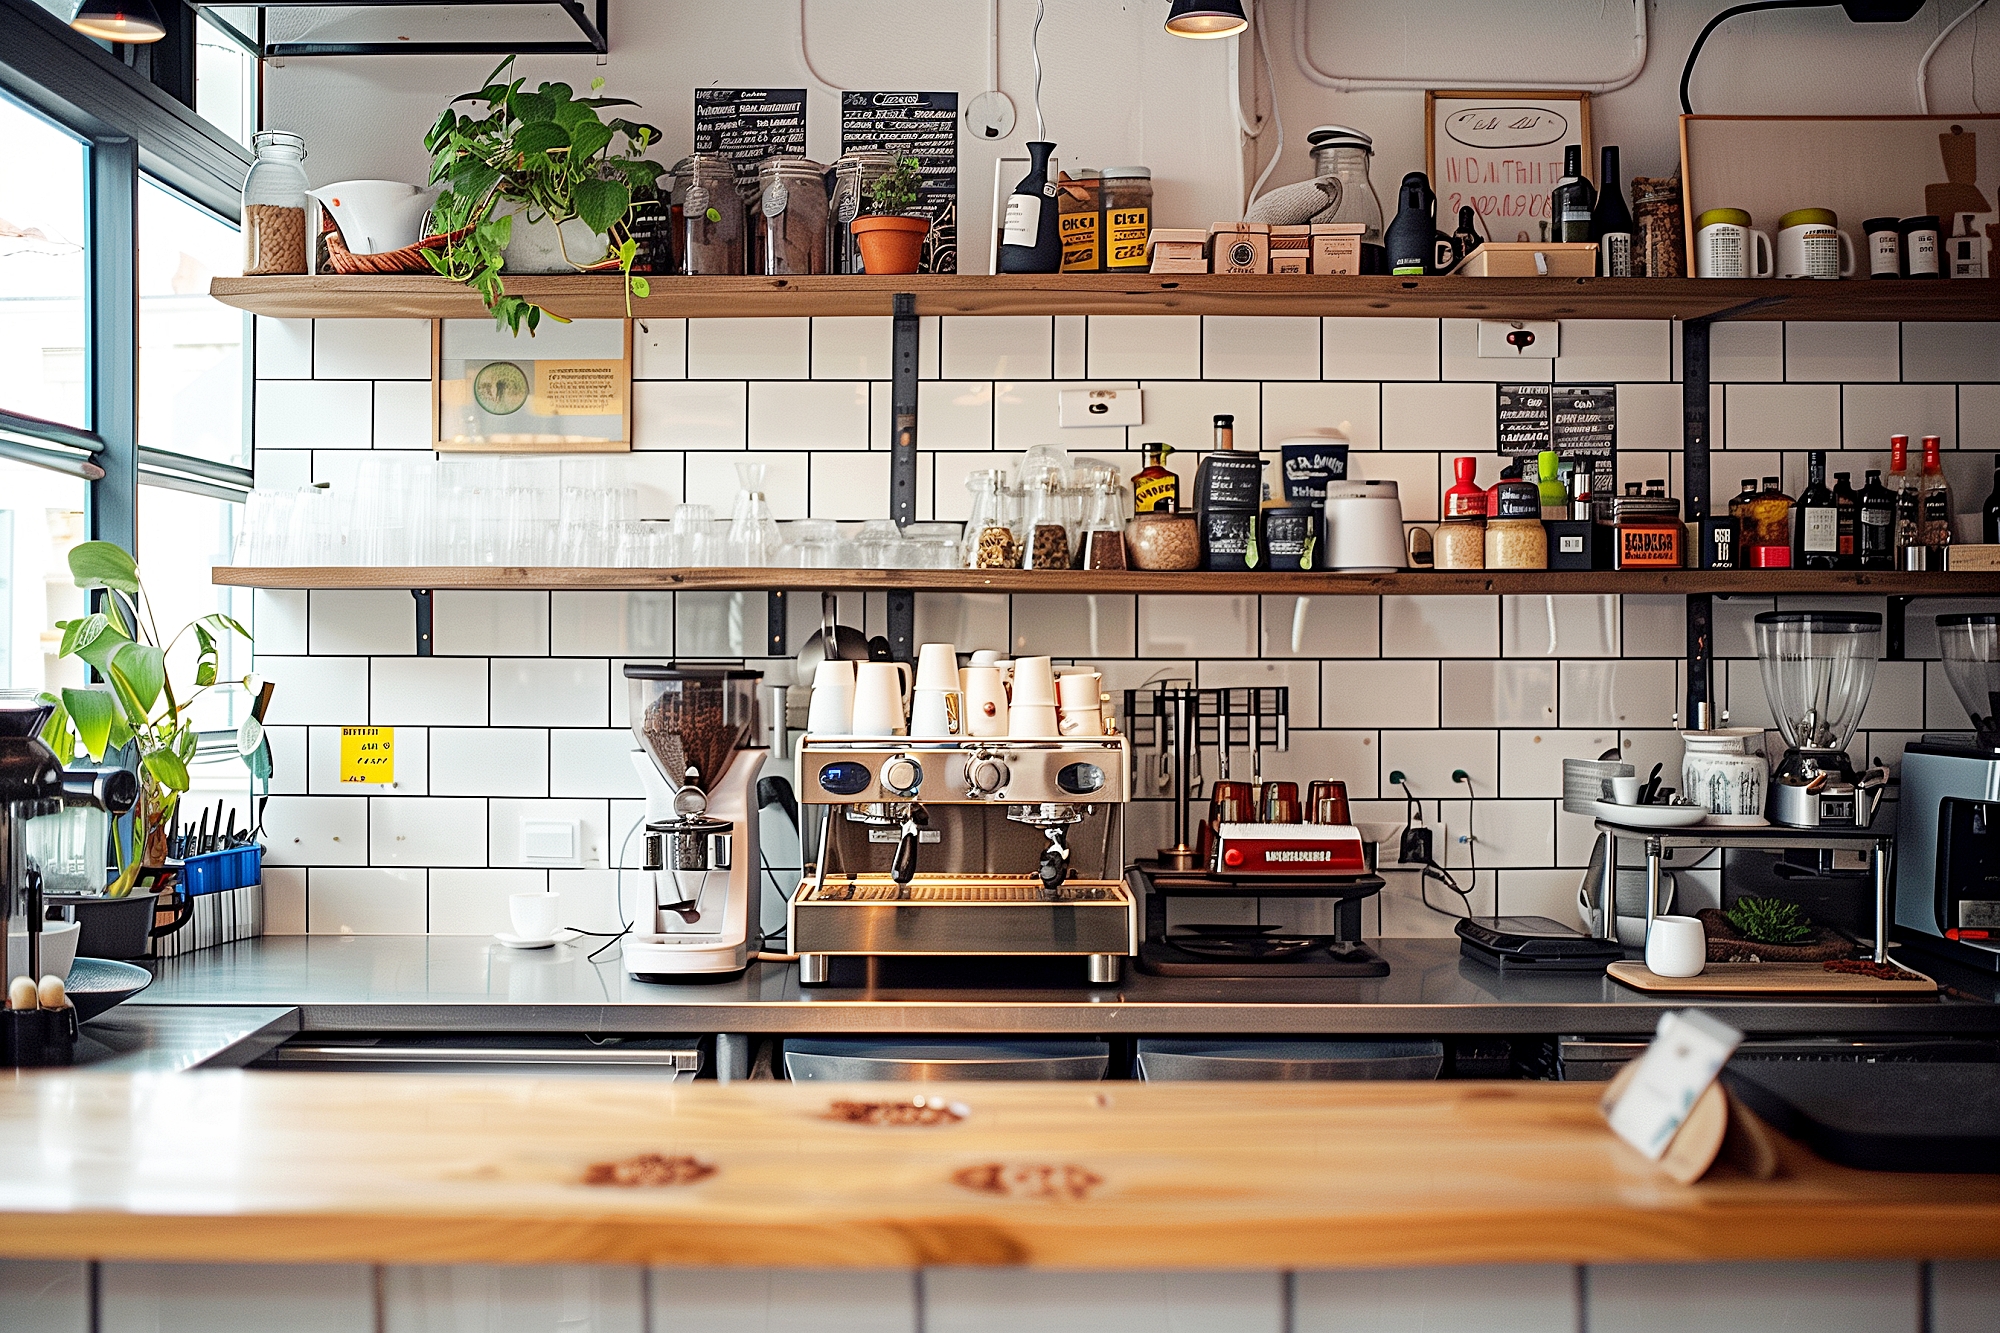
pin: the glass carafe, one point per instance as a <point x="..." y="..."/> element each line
<point x="1104" y="522"/>
<point x="990" y="540"/>
<point x="754" y="538"/>
<point x="274" y="205"/>
<point x="1047" y="531"/>
<point x="1343" y="153"/>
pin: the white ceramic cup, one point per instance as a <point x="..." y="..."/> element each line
<point x="1034" y="681"/>
<point x="1728" y="250"/>
<point x="1080" y="721"/>
<point x="533" y="914"/>
<point x="881" y="693"/>
<point x="1625" y="791"/>
<point x="1677" y="946"/>
<point x="986" y="657"/>
<point x="937" y="667"/>
<point x="1032" y="720"/>
<point x="1815" y="250"/>
<point x="985" y="697"/>
<point x="830" y="711"/>
<point x="936" y="712"/>
<point x="1078" y="689"/>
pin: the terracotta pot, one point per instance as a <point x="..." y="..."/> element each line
<point x="890" y="244"/>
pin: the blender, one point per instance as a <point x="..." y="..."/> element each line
<point x="696" y="728"/>
<point x="1948" y="820"/>
<point x="1817" y="668"/>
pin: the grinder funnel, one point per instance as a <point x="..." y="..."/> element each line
<point x="692" y="719"/>
<point x="1970" y="647"/>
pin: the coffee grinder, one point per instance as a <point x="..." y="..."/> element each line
<point x="1818" y="667"/>
<point x="697" y="912"/>
<point x="1948" y="821"/>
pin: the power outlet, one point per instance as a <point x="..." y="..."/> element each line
<point x="1099" y="407"/>
<point x="1519" y="339"/>
<point x="1416" y="848"/>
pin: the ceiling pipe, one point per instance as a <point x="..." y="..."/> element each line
<point x="1302" y="54"/>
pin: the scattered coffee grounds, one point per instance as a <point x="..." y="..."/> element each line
<point x="648" y="1169"/>
<point x="924" y="1111"/>
<point x="1867" y="967"/>
<point x="1028" y="1181"/>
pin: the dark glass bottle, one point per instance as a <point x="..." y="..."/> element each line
<point x="1739" y="505"/>
<point x="1848" y="505"/>
<point x="1816" y="525"/>
<point x="1571" y="201"/>
<point x="1031" y="241"/>
<point x="1412" y="238"/>
<point x="1611" y="222"/>
<point x="1154" y="487"/>
<point x="1768" y="538"/>
<point x="1875" y="536"/>
<point x="1465" y="239"/>
<point x="1989" y="517"/>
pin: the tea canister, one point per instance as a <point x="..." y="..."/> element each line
<point x="1723" y="774"/>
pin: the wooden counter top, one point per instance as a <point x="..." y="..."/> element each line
<point x="416" y="1169"/>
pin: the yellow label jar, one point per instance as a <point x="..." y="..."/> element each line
<point x="1128" y="217"/>
<point x="1079" y="214"/>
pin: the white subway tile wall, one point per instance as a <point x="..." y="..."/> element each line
<point x="521" y="714"/>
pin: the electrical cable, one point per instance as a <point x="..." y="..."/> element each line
<point x="1694" y="52"/>
<point x="1924" y="63"/>
<point x="1277" y="116"/>
<point x="1430" y="869"/>
<point x="805" y="57"/>
<point x="1035" y="51"/>
<point x="1302" y="57"/>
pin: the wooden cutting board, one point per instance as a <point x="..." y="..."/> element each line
<point x="1768" y="979"/>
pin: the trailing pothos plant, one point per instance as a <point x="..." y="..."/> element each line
<point x="551" y="152"/>
<point x="136" y="704"/>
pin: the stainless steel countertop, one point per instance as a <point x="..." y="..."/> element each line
<point x="417" y="982"/>
<point x="167" y="1039"/>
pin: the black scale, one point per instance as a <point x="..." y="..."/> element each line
<point x="1245" y="952"/>
<point x="1534" y="944"/>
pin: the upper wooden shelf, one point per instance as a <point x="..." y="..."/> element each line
<point x="1761" y="582"/>
<point x="598" y="296"/>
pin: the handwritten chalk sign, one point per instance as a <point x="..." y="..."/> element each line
<point x="368" y="754"/>
<point x="1502" y="153"/>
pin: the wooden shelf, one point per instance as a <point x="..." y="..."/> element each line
<point x="1747" y="583"/>
<point x="598" y="296"/>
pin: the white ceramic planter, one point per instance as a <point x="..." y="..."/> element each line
<point x="1723" y="773"/>
<point x="533" y="247"/>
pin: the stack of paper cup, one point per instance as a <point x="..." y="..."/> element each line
<point x="881" y="689"/>
<point x="831" y="709"/>
<point x="938" y="707"/>
<point x="1077" y="701"/>
<point x="985" y="696"/>
<point x="1033" y="712"/>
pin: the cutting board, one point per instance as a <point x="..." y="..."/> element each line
<point x="1768" y="979"/>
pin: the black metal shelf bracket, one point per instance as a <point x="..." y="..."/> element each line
<point x="905" y="345"/>
<point x="424" y="608"/>
<point x="592" y="25"/>
<point x="774" y="624"/>
<point x="1696" y="441"/>
<point x="1896" y="623"/>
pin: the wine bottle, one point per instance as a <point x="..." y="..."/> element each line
<point x="1936" y="503"/>
<point x="1031" y="241"/>
<point x="1465" y="239"/>
<point x="1848" y="505"/>
<point x="1611" y="222"/>
<point x="1875" y="537"/>
<point x="1816" y="529"/>
<point x="1909" y="498"/>
<point x="1571" y="201"/>
<point x="1739" y="506"/>
<point x="1989" y="519"/>
<point x="1412" y="239"/>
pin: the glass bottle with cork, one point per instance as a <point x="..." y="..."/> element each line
<point x="1848" y="505"/>
<point x="1908" y="486"/>
<point x="1936" y="492"/>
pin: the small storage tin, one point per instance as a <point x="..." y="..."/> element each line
<point x="1649" y="532"/>
<point x="1239" y="247"/>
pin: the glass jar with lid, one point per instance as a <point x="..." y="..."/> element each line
<point x="1127" y="193"/>
<point x="1459" y="543"/>
<point x="1105" y="508"/>
<point x="274" y="205"/>
<point x="712" y="215"/>
<point x="990" y="541"/>
<point x="1343" y="153"/>
<point x="1515" y="537"/>
<point x="1159" y="539"/>
<point x="792" y="191"/>
<point x="1080" y="220"/>
<point x="853" y="174"/>
<point x="1045" y="532"/>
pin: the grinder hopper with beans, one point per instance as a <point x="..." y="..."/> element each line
<point x="695" y="907"/>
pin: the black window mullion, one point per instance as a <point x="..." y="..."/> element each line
<point x="112" y="355"/>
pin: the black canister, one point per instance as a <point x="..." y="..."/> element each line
<point x="1721" y="543"/>
<point x="1578" y="543"/>
<point x="1230" y="479"/>
<point x="1514" y="498"/>
<point x="1885" y="247"/>
<point x="1229" y="540"/>
<point x="1291" y="537"/>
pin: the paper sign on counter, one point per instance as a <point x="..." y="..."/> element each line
<point x="1687" y="1053"/>
<point x="368" y="754"/>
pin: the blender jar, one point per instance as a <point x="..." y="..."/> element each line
<point x="1818" y="667"/>
<point x="1970" y="647"/>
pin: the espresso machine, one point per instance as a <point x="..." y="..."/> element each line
<point x="1818" y="667"/>
<point x="1948" y="820"/>
<point x="965" y="846"/>
<point x="695" y="913"/>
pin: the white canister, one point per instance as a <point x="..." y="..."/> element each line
<point x="1723" y="771"/>
<point x="1364" y="526"/>
<point x="1812" y="245"/>
<point x="1725" y="246"/>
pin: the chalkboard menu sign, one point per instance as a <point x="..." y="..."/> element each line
<point x="747" y="125"/>
<point x="923" y="126"/>
<point x="1575" y="420"/>
<point x="1523" y="417"/>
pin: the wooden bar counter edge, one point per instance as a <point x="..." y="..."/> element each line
<point x="269" y="1167"/>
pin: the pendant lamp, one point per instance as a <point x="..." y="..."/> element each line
<point x="131" y="21"/>
<point x="1206" y="18"/>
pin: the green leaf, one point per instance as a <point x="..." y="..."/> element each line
<point x="587" y="141"/>
<point x="249" y="737"/>
<point x="97" y="650"/>
<point x="532" y="108"/>
<point x="168" y="768"/>
<point x="56" y="732"/>
<point x="222" y="624"/>
<point x="92" y="710"/>
<point x="123" y="614"/>
<point x="640" y="287"/>
<point x="259" y="763"/>
<point x="128" y="698"/>
<point x="80" y="633"/>
<point x="556" y="92"/>
<point x="204" y="674"/>
<point x="540" y="137"/>
<point x="145" y="670"/>
<point x="186" y="743"/>
<point x="103" y="565"/>
<point x="601" y="204"/>
<point x="203" y="639"/>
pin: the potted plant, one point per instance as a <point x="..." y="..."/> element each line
<point x="136" y="704"/>
<point x="892" y="237"/>
<point x="537" y="182"/>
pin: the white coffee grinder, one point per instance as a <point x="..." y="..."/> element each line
<point x="695" y="912"/>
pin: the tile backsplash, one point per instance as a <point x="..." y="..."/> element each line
<point x="521" y="714"/>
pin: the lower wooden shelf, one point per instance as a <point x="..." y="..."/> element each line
<point x="1744" y="583"/>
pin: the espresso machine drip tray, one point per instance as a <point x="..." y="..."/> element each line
<point x="964" y="914"/>
<point x="983" y="889"/>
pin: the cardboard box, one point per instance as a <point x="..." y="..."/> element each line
<point x="1162" y="264"/>
<point x="1531" y="259"/>
<point x="1291" y="249"/>
<point x="1239" y="247"/>
<point x="1336" y="248"/>
<point x="1177" y="243"/>
<point x="1972" y="556"/>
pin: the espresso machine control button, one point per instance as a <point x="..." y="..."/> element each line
<point x="902" y="776"/>
<point x="986" y="775"/>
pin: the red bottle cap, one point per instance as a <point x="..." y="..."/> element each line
<point x="1465" y="499"/>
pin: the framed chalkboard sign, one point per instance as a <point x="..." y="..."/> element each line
<point x="1502" y="153"/>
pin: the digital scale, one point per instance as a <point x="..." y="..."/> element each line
<point x="1534" y="944"/>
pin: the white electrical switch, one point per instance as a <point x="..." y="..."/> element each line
<point x="552" y="842"/>
<point x="1519" y="339"/>
<point x="1098" y="407"/>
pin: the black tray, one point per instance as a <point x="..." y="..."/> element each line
<point x="1897" y="1116"/>
<point x="1326" y="957"/>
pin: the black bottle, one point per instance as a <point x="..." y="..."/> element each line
<point x="1412" y="239"/>
<point x="1816" y="520"/>
<point x="1030" y="242"/>
<point x="1848" y="506"/>
<point x="1571" y="201"/>
<point x="1989" y="516"/>
<point x="1611" y="222"/>
<point x="1466" y="239"/>
<point x="1875" y="534"/>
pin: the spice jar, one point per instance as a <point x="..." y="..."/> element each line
<point x="1128" y="216"/>
<point x="1649" y="530"/>
<point x="1885" y="247"/>
<point x="1104" y="523"/>
<point x="1659" y="245"/>
<point x="1162" y="540"/>
<point x="1515" y="537"/>
<point x="990" y="541"/>
<point x="274" y="205"/>
<point x="1046" y="532"/>
<point x="1230" y="541"/>
<point x="1292" y="537"/>
<point x="712" y="215"/>
<point x="1080" y="221"/>
<point x="853" y="175"/>
<point x="792" y="191"/>
<point x="1459" y="543"/>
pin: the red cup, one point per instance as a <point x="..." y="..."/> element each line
<point x="1326" y="803"/>
<point x="1281" y="803"/>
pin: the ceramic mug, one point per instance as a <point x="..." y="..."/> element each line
<point x="830" y="711"/>
<point x="1676" y="946"/>
<point x="1080" y="721"/>
<point x="1624" y="791"/>
<point x="937" y="667"/>
<point x="881" y="689"/>
<point x="936" y="712"/>
<point x="1812" y="245"/>
<point x="1033" y="720"/>
<point x="1079" y="689"/>
<point x="1725" y="246"/>
<point x="533" y="914"/>
<point x="985" y="696"/>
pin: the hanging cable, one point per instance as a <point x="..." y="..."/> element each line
<point x="1035" y="51"/>
<point x="1924" y="64"/>
<point x="1277" y="117"/>
<point x="1302" y="56"/>
<point x="1757" y="6"/>
<point x="805" y="57"/>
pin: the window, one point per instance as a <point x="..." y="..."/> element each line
<point x="190" y="345"/>
<point x="181" y="536"/>
<point x="225" y="80"/>
<point x="41" y="518"/>
<point x="44" y="273"/>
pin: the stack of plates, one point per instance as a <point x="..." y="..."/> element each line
<point x="1583" y="782"/>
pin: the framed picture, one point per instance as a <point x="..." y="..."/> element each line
<point x="567" y="390"/>
<point x="1502" y="153"/>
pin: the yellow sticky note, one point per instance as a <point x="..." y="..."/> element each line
<point x="368" y="754"/>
